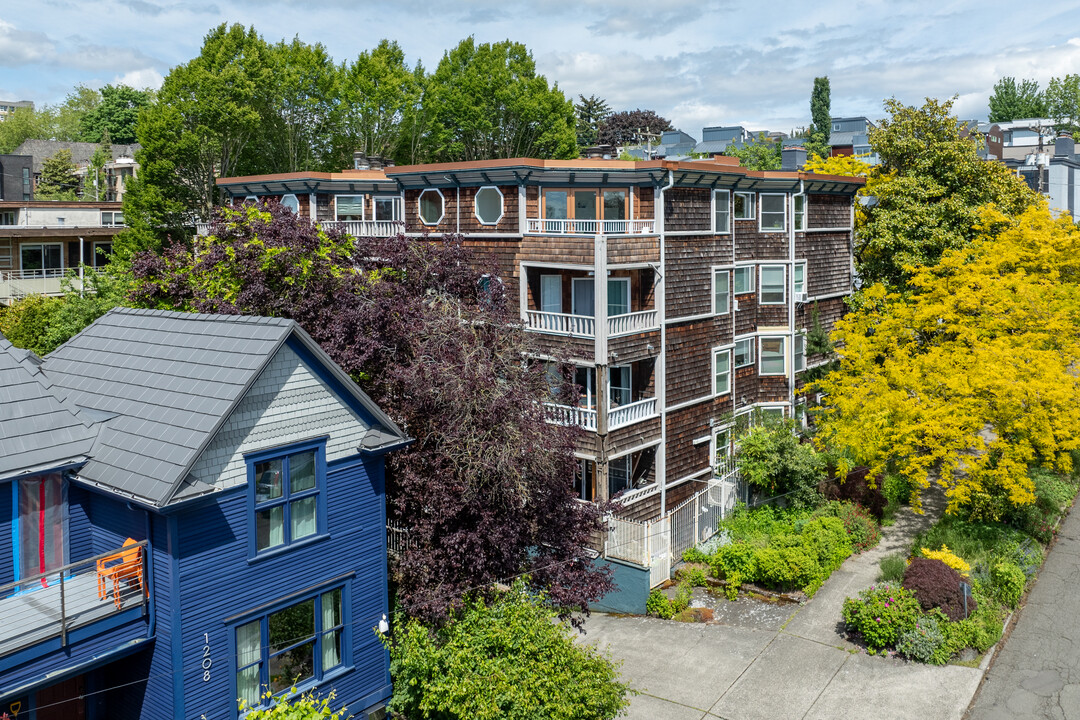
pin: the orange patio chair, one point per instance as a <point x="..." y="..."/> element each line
<point x="124" y="566"/>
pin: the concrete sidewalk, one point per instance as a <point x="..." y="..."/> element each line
<point x="801" y="668"/>
<point x="1037" y="672"/>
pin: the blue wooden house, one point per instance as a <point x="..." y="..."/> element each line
<point x="191" y="514"/>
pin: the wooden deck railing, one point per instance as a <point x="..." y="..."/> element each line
<point x="545" y="226"/>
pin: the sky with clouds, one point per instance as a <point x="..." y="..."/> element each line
<point x="698" y="63"/>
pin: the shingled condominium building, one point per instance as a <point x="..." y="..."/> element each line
<point x="712" y="277"/>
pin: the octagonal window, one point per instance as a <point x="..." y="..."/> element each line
<point x="489" y="205"/>
<point x="431" y="207"/>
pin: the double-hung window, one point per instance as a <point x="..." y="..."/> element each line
<point x="721" y="371"/>
<point x="772" y="285"/>
<point x="800" y="278"/>
<point x="800" y="352"/>
<point x="744" y="352"/>
<point x="772" y="357"/>
<point x="744" y="206"/>
<point x="349" y="207"/>
<point x="773" y="212"/>
<point x="291" y="646"/>
<point x="287" y="494"/>
<point x="743" y="279"/>
<point x="721" y="211"/>
<point x="722" y="455"/>
<point x="800" y="212"/>
<point x="721" y="291"/>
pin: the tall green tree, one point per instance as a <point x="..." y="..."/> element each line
<point x="1063" y="102"/>
<point x="114" y="118"/>
<point x="591" y="112"/>
<point x="378" y="94"/>
<point x="821" y="117"/>
<point x="208" y="112"/>
<point x="488" y="102"/>
<point x="49" y="122"/>
<point x="23" y="124"/>
<point x="759" y="154"/>
<point x="58" y="180"/>
<point x="926" y="192"/>
<point x="1013" y="100"/>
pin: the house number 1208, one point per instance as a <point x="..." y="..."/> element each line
<point x="206" y="661"/>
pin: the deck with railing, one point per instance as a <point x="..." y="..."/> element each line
<point x="42" y="607"/>
<point x="585" y="325"/>
<point x="356" y="228"/>
<point x="570" y="415"/>
<point x="545" y="226"/>
<point x="17" y="284"/>
<point x="618" y="417"/>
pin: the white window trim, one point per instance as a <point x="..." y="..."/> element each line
<point x="794" y="285"/>
<point x="752" y="341"/>
<point x="726" y="349"/>
<point x="397" y="201"/>
<point x="625" y="281"/>
<point x="43" y="245"/>
<point x="783" y="353"/>
<point x="476" y="205"/>
<point x="727" y="195"/>
<point x="295" y="199"/>
<point x="363" y="207"/>
<point x="252" y="199"/>
<point x="753" y="206"/>
<point x="761" y="285"/>
<point x="573" y="297"/>
<point x="761" y="213"/>
<point x="727" y="308"/>
<point x="752" y="275"/>
<point x="801" y="227"/>
<point x="799" y="336"/>
<point x="442" y="206"/>
<point x="716" y="432"/>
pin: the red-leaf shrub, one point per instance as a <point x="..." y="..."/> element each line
<point x="856" y="488"/>
<point x="936" y="585"/>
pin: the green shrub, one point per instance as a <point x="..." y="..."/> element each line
<point x="1007" y="581"/>
<point x="506" y="659"/>
<point x="980" y="630"/>
<point x="880" y="614"/>
<point x="825" y="539"/>
<point x="731" y="590"/>
<point x="893" y="567"/>
<point x="786" y="567"/>
<point x="772" y="458"/>
<point x="658" y="603"/>
<point x="896" y="489"/>
<point x="925" y="643"/>
<point x="863" y="530"/>
<point x="694" y="555"/>
<point x="693" y="576"/>
<point x="977" y="542"/>
<point x="735" y="559"/>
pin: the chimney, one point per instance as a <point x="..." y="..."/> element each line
<point x="1064" y="146"/>
<point x="360" y="161"/>
<point x="792" y="158"/>
<point x="375" y="162"/>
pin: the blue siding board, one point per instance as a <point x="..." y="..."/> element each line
<point x="157" y="699"/>
<point x="7" y="550"/>
<point x="80" y="532"/>
<point x="217" y="581"/>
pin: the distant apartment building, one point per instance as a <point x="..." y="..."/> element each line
<point x="7" y="107"/>
<point x="992" y="145"/>
<point x="118" y="170"/>
<point x="851" y="136"/>
<point x="16" y="178"/>
<point x="682" y="293"/>
<point x="1023" y="137"/>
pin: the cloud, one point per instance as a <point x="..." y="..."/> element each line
<point x="154" y="9"/>
<point x="95" y="58"/>
<point x="140" y="79"/>
<point x="20" y="47"/>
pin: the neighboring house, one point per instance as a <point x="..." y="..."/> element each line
<point x="674" y="144"/>
<point x="7" y="107"/>
<point x="41" y="241"/>
<point x="992" y="146"/>
<point x="1054" y="172"/>
<point x="16" y="178"/>
<point x="714" y="274"/>
<point x="851" y="136"/>
<point x="717" y="139"/>
<point x="1023" y="137"/>
<point x="192" y="511"/>
<point x="119" y="170"/>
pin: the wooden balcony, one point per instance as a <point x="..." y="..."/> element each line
<point x="618" y="417"/>
<point x="544" y="226"/>
<point x="75" y="596"/>
<point x="569" y="415"/>
<point x="585" y="326"/>
<point x="367" y="228"/>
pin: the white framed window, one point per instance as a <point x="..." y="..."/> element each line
<point x="773" y="358"/>
<point x="800" y="212"/>
<point x="620" y="385"/>
<point x="722" y="456"/>
<point x="772" y="285"/>
<point x="551" y="293"/>
<point x="773" y="212"/>
<point x="112" y="218"/>
<point x="292" y="203"/>
<point x="431" y="206"/>
<point x="721" y="211"/>
<point x="743" y="279"/>
<point x="583" y="480"/>
<point x="745" y="207"/>
<point x="721" y="371"/>
<point x="253" y="199"/>
<point x="582" y="298"/>
<point x="47" y="259"/>
<point x="721" y="291"/>
<point x="744" y="352"/>
<point x="488" y="205"/>
<point x="619" y="475"/>
<point x="348" y="207"/>
<point x="800" y="352"/>
<point x="774" y="412"/>
<point x="618" y="296"/>
<point x="800" y="278"/>
<point x="387" y="209"/>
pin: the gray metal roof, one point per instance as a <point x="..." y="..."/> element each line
<point x="81" y="152"/>
<point x="171" y="379"/>
<point x="38" y="430"/>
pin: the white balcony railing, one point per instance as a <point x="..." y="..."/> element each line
<point x="568" y="415"/>
<point x="590" y="227"/>
<point x="202" y="228"/>
<point x="634" y="412"/>
<point x="367" y="228"/>
<point x="17" y="284"/>
<point x="560" y="323"/>
<point x="631" y="323"/>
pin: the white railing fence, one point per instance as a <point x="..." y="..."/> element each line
<point x="590" y="227"/>
<point x="570" y="415"/>
<point x="397" y="538"/>
<point x="367" y="228"/>
<point x="627" y="414"/>
<point x="560" y="323"/>
<point x="630" y="323"/>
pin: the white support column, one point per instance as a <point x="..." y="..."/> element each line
<point x="523" y="220"/>
<point x="600" y="357"/>
<point x="523" y="291"/>
<point x="82" y="263"/>
<point x="661" y="360"/>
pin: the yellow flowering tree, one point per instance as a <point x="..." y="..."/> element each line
<point x="970" y="374"/>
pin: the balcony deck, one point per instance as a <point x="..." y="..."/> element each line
<point x="585" y="325"/>
<point x="36" y="613"/>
